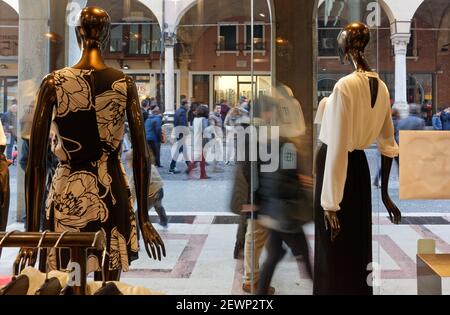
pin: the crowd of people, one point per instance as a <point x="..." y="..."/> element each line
<point x="197" y="117"/>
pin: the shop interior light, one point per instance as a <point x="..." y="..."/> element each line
<point x="262" y="15"/>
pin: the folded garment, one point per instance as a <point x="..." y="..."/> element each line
<point x="126" y="289"/>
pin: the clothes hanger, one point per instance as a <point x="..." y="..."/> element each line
<point x="6" y="236"/>
<point x="108" y="288"/>
<point x="51" y="286"/>
<point x="19" y="284"/>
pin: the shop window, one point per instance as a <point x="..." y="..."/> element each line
<point x="227" y="37"/>
<point x="258" y="37"/>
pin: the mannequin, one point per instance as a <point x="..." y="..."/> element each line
<point x="95" y="155"/>
<point x="354" y="116"/>
<point x="351" y="44"/>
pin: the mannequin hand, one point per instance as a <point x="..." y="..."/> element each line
<point x="153" y="241"/>
<point x="394" y="213"/>
<point x="26" y="256"/>
<point x="332" y="220"/>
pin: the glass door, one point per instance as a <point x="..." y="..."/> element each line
<point x="246" y="89"/>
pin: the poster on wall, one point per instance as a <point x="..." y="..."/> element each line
<point x="143" y="89"/>
<point x="424" y="165"/>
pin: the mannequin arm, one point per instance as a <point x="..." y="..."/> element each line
<point x="36" y="168"/>
<point x="141" y="172"/>
<point x="394" y="213"/>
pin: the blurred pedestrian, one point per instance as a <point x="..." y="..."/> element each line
<point x="445" y="119"/>
<point x="255" y="234"/>
<point x="224" y="109"/>
<point x="9" y="121"/>
<point x="285" y="205"/>
<point x="4" y="184"/>
<point x="145" y="106"/>
<point x="215" y="133"/>
<point x="200" y="123"/>
<point x="230" y="123"/>
<point x="153" y="134"/>
<point x="215" y="119"/>
<point x="437" y="123"/>
<point x="155" y="190"/>
<point x="413" y="121"/>
<point x="180" y="119"/>
<point x="191" y="113"/>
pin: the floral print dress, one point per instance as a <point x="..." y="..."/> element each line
<point x="89" y="191"/>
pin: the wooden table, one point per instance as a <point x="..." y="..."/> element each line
<point x="433" y="274"/>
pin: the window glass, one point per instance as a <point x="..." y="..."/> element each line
<point x="227" y="37"/>
<point x="263" y="66"/>
<point x="258" y="37"/>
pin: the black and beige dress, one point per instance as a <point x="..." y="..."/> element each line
<point x="349" y="124"/>
<point x="89" y="190"/>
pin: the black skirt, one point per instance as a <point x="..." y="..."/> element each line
<point x="340" y="267"/>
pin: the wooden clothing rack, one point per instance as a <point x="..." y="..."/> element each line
<point x="77" y="242"/>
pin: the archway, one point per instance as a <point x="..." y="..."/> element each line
<point x="13" y="4"/>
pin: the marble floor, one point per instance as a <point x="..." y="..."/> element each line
<point x="200" y="258"/>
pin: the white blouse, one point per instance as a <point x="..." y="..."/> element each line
<point x="348" y="123"/>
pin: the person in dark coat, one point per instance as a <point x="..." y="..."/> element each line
<point x="445" y="119"/>
<point x="284" y="198"/>
<point x="153" y="134"/>
<point x="224" y="109"/>
<point x="180" y="119"/>
<point x="413" y="121"/>
<point x="145" y="105"/>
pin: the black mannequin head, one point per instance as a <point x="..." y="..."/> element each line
<point x="352" y="41"/>
<point x="94" y="27"/>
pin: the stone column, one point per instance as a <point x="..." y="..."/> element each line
<point x="400" y="43"/>
<point x="33" y="66"/>
<point x="169" y="76"/>
<point x="73" y="50"/>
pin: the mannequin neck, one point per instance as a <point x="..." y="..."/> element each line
<point x="91" y="57"/>
<point x="359" y="61"/>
